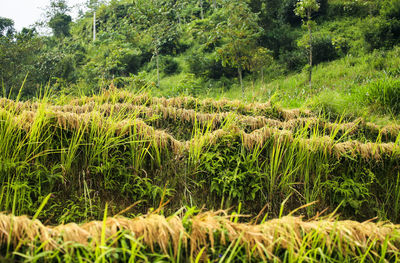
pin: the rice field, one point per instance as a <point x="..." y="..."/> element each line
<point x="122" y="177"/>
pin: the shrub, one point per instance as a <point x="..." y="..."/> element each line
<point x="188" y="85"/>
<point x="170" y="65"/>
<point x="294" y="60"/>
<point x="324" y="50"/>
<point x="351" y="193"/>
<point x="280" y="39"/>
<point x="381" y="33"/>
<point x="206" y="66"/>
<point x="341" y="45"/>
<point x="286" y="12"/>
<point x="183" y="84"/>
<point x="352" y="8"/>
<point x="377" y="60"/>
<point x="391" y="9"/>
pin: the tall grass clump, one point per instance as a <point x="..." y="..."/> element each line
<point x="385" y="95"/>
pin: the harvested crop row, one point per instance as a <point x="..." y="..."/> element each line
<point x="324" y="144"/>
<point x="358" y="128"/>
<point x="169" y="112"/>
<point x="211" y="230"/>
<point x="259" y="137"/>
<point x="74" y="121"/>
<point x="90" y="104"/>
<point x="205" y="105"/>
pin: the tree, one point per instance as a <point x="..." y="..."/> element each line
<point x="201" y="9"/>
<point x="60" y="25"/>
<point x="6" y="27"/>
<point x="157" y="22"/>
<point x="261" y="58"/>
<point x="59" y="20"/>
<point x="238" y="32"/>
<point x="304" y="9"/>
<point x="17" y="60"/>
<point x="93" y="4"/>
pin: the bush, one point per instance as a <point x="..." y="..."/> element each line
<point x="381" y="33"/>
<point x="170" y="66"/>
<point x="385" y="94"/>
<point x="351" y="193"/>
<point x="287" y="14"/>
<point x="206" y="66"/>
<point x="280" y="39"/>
<point x="185" y="84"/>
<point x="294" y="60"/>
<point x="55" y="64"/>
<point x="352" y="8"/>
<point x="377" y="60"/>
<point x="324" y="50"/>
<point x="391" y="9"/>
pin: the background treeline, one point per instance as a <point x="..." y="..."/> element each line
<point x="188" y="46"/>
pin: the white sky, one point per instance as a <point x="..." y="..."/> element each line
<point x="27" y="12"/>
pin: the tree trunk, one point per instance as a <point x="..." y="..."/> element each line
<point x="158" y="69"/>
<point x="241" y="79"/>
<point x="215" y="4"/>
<point x="94" y="26"/>
<point x="201" y="9"/>
<point x="262" y="76"/>
<point x="311" y="51"/>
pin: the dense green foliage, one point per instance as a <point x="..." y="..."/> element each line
<point x="210" y="42"/>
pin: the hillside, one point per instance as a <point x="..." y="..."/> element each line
<point x="202" y="131"/>
<point x="193" y="46"/>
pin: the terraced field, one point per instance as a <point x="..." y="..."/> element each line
<point x="122" y="155"/>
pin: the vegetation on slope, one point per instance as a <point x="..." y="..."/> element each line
<point x="121" y="148"/>
<point x="191" y="50"/>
